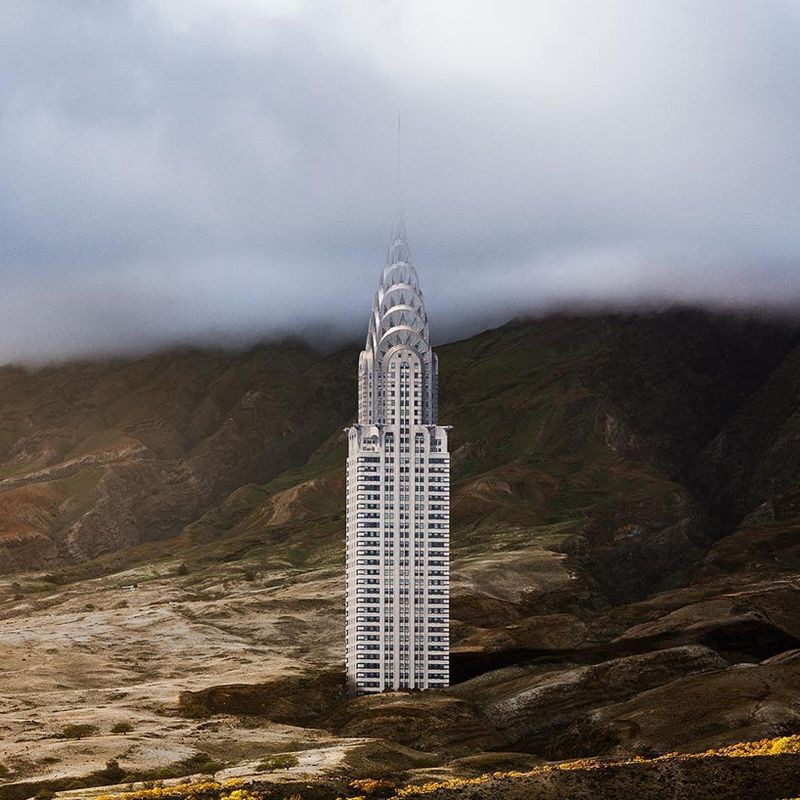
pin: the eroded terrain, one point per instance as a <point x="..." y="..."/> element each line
<point x="625" y="528"/>
<point x="120" y="649"/>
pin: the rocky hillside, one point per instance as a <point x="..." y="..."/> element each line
<point x="97" y="457"/>
<point x="625" y="536"/>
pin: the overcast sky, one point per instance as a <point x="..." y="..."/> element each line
<point x="176" y="170"/>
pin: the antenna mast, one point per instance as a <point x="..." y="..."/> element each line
<point x="398" y="176"/>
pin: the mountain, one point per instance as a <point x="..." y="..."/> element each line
<point x="625" y="537"/>
<point x="97" y="457"/>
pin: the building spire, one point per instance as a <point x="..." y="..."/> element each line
<point x="399" y="251"/>
<point x="399" y="175"/>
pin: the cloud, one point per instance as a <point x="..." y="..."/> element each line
<point x="178" y="170"/>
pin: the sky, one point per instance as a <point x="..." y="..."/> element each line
<point x="221" y="170"/>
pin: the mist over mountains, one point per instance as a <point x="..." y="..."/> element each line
<point x="181" y="172"/>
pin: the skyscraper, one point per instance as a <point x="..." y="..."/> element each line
<point x="398" y="497"/>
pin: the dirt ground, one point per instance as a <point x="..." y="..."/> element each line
<point x="119" y="649"/>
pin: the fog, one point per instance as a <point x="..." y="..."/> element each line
<point x="225" y="170"/>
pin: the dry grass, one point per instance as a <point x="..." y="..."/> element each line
<point x="240" y="790"/>
<point x="762" y="748"/>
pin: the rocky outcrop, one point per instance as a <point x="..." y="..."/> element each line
<point x="435" y="723"/>
<point x="307" y="700"/>
<point x="533" y="711"/>
<point x="744" y="703"/>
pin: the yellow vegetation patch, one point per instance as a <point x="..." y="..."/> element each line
<point x="204" y="790"/>
<point x="763" y="747"/>
<point x="236" y="790"/>
<point x="782" y="745"/>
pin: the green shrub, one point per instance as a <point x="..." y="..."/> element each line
<point x="77" y="731"/>
<point x="279" y="761"/>
<point x="201" y="762"/>
<point x="121" y="727"/>
<point x="113" y="773"/>
<point x="4" y="771"/>
<point x="198" y="758"/>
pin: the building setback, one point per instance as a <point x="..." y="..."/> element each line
<point x="398" y="497"/>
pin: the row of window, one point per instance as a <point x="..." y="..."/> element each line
<point x="403" y="581"/>
<point x="437" y="627"/>
<point x="434" y="681"/>
<point x="390" y="506"/>
<point x="432" y="621"/>
<point x="389" y="562"/>
<point x="374" y="638"/>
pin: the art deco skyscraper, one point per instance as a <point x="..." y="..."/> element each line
<point x="398" y="497"/>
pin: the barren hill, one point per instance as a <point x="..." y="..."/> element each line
<point x="625" y="536"/>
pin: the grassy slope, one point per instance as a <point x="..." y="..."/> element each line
<point x="95" y="458"/>
<point x="532" y="461"/>
<point x="738" y="772"/>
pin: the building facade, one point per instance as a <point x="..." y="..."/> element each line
<point x="398" y="498"/>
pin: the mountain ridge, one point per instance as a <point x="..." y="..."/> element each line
<point x="624" y="542"/>
<point x="121" y="429"/>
